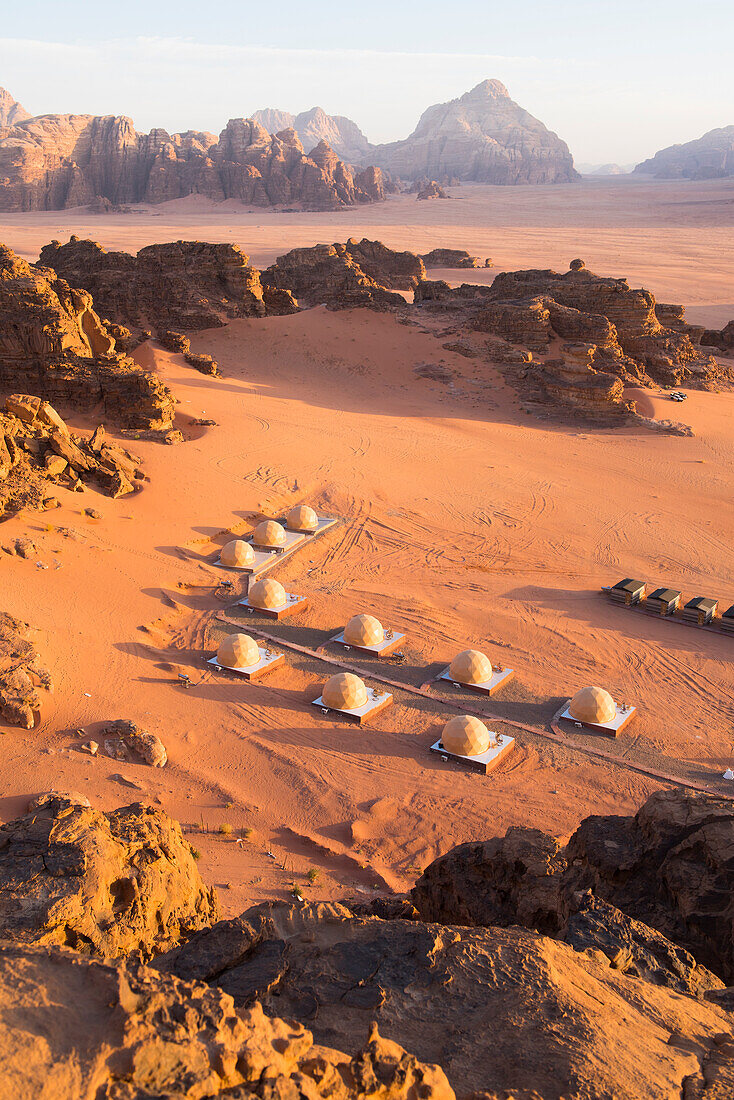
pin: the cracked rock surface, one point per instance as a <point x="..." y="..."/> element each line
<point x="505" y="1012"/>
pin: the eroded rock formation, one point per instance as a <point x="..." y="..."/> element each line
<point x="314" y="126"/>
<point x="669" y="868"/>
<point x="37" y="451"/>
<point x="452" y="257"/>
<point x="182" y="285"/>
<point x="708" y="157"/>
<point x="596" y="333"/>
<point x="483" y="136"/>
<point x="105" y="884"/>
<point x="21" y="674"/>
<point x="504" y="1012"/>
<point x="388" y="268"/>
<point x="11" y="111"/>
<point x="53" y="343"/>
<point x="74" y="1027"/>
<point x="330" y="273"/>
<point x="52" y="162"/>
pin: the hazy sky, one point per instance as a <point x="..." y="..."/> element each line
<point x="617" y="79"/>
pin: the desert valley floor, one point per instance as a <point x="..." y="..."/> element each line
<point x="466" y="522"/>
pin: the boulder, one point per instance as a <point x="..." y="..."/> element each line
<point x="452" y="257"/>
<point x="105" y="884"/>
<point x="36" y="444"/>
<point x="504" y="1012"/>
<point x="432" y="191"/>
<point x="73" y="1027"/>
<point x="147" y="745"/>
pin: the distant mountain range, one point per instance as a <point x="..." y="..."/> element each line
<point x="484" y="136"/>
<point x="708" y="157"/>
<point x="343" y="135"/>
<point x="51" y="162"/>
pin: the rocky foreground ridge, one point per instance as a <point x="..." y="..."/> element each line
<point x="508" y="966"/>
<point x="705" y="158"/>
<point x="52" y="162"/>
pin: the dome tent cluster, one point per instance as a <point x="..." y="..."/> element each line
<point x="465" y="736"/>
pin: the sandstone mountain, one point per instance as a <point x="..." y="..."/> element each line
<point x="11" y="111"/>
<point x="483" y="136"/>
<point x="343" y="135"/>
<point x="708" y="157"/>
<point x="56" y="161"/>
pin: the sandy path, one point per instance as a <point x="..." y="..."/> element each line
<point x="465" y="523"/>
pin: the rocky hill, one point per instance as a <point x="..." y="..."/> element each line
<point x="343" y="135"/>
<point x="517" y="968"/>
<point x="57" y="161"/>
<point x="708" y="157"/>
<point x="483" y="136"/>
<point x="11" y="111"/>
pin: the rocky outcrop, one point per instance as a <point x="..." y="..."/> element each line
<point x="504" y="1012"/>
<point x="388" y="268"/>
<point x="314" y="126"/>
<point x="328" y="273"/>
<point x="621" y="322"/>
<point x="105" y="884"/>
<point x="184" y="284"/>
<point x="720" y="338"/>
<point x="11" y="112"/>
<point x="431" y="191"/>
<point x="73" y="1027"/>
<point x="53" y="343"/>
<point x="708" y="157"/>
<point x="483" y="136"/>
<point x="668" y="867"/>
<point x="126" y="740"/>
<point x="452" y="257"/>
<point x="37" y="451"/>
<point x="21" y="674"/>
<point x="52" y="162"/>
<point x="623" y="332"/>
<point x="187" y="285"/>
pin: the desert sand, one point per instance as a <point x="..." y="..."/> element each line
<point x="464" y="522"/>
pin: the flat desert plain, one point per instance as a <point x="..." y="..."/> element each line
<point x="462" y="522"/>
